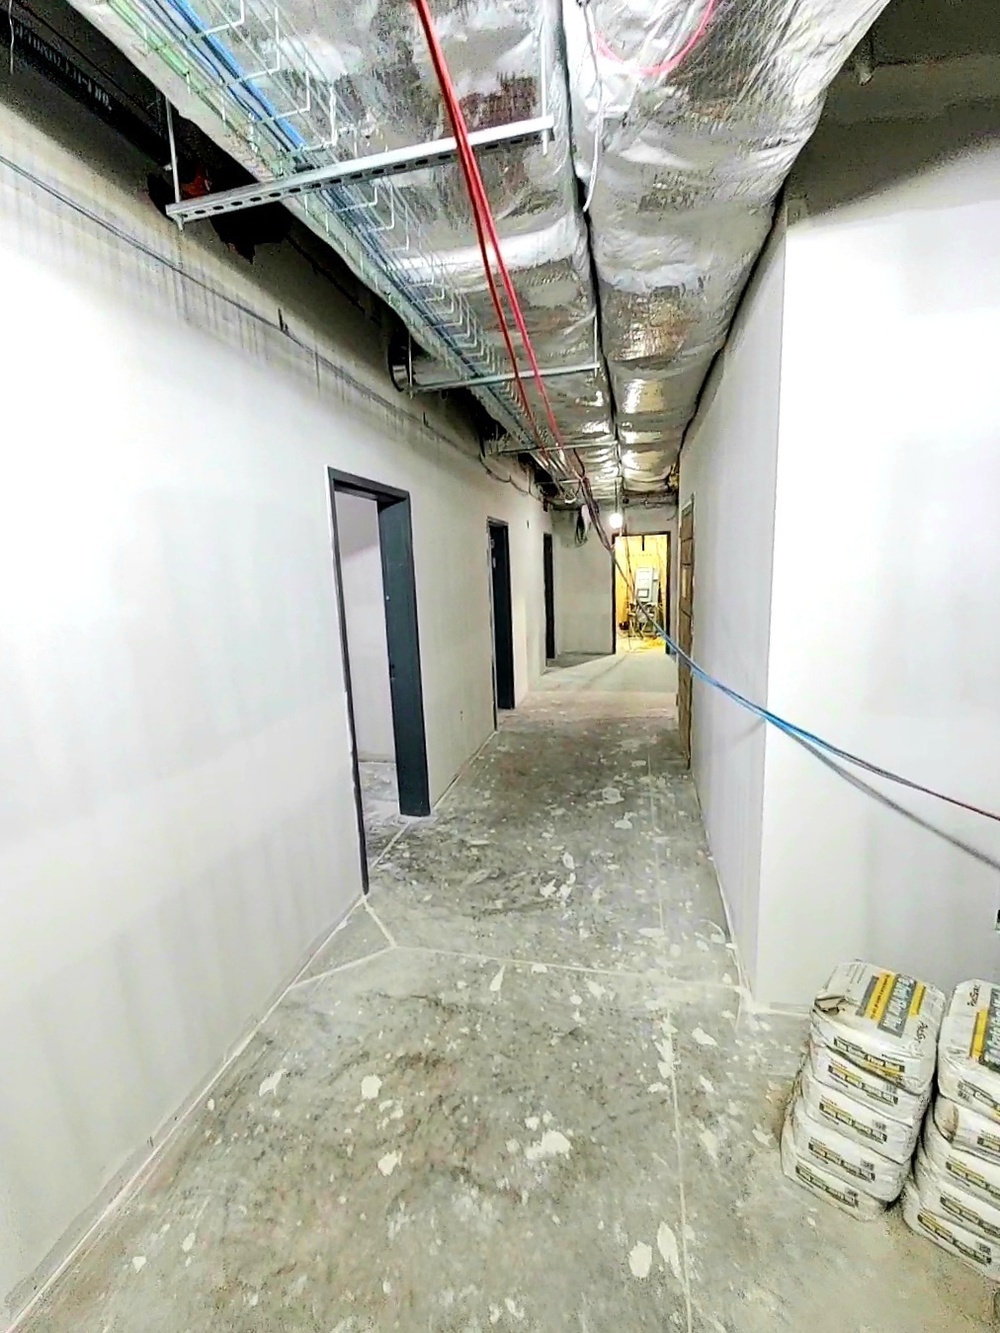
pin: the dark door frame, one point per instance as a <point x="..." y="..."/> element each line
<point x="498" y="549"/>
<point x="405" y="685"/>
<point x="549" y="587"/>
<point x="614" y="594"/>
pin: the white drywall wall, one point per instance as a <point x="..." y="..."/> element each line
<point x="728" y="470"/>
<point x="584" y="601"/>
<point x="178" y="823"/>
<point x="364" y="611"/>
<point x="885" y="635"/>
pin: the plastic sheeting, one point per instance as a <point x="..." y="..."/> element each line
<point x="690" y="155"/>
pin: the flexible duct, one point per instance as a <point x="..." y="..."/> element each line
<point x="695" y="110"/>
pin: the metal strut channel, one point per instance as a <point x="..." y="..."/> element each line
<point x="373" y="166"/>
<point x="436" y="386"/>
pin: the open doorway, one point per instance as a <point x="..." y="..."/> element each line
<point x="376" y="590"/>
<point x="503" y="620"/>
<point x="641" y="591"/>
<point x="549" y="588"/>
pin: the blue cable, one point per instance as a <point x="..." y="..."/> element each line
<point x="802" y="735"/>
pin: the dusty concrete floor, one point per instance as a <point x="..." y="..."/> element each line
<point x="380" y="805"/>
<point x="522" y="1090"/>
<point x="633" y="669"/>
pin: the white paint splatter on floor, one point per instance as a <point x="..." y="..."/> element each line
<point x="551" y="1144"/>
<point x="187" y="1244"/>
<point x="371" y="1085"/>
<point x="139" y="1262"/>
<point x="666" y="1243"/>
<point x="270" y="1084"/>
<point x="497" y="982"/>
<point x="389" y="1162"/>
<point x="640" y="1259"/>
<point x="710" y="1143"/>
<point x="703" y="1038"/>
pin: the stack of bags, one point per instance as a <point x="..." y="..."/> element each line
<point x="856" y="1110"/>
<point x="954" y="1195"/>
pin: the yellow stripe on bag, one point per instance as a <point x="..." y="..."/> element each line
<point x="880" y="997"/>
<point x="979" y="1034"/>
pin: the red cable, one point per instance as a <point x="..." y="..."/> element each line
<point x="483" y="217"/>
<point x="470" y="173"/>
<point x="665" y="66"/>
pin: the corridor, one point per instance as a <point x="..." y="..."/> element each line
<point x="520" y="1091"/>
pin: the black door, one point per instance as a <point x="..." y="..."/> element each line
<point x="503" y="625"/>
<point x="405" y="687"/>
<point x="550" y="598"/>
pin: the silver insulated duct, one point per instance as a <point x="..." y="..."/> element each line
<point x="688" y="117"/>
<point x="677" y="123"/>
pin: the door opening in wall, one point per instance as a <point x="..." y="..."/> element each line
<point x="550" y="597"/>
<point x="641" y="592"/>
<point x="685" y="637"/>
<point x="503" y="622"/>
<point x="376" y="594"/>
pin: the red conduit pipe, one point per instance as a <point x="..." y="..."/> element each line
<point x="483" y="216"/>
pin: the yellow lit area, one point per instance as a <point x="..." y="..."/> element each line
<point x="642" y="567"/>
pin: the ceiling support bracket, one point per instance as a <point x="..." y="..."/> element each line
<point x="506" y="377"/>
<point x="372" y="166"/>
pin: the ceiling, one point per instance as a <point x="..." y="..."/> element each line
<point x="629" y="230"/>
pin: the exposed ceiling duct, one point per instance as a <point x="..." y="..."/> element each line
<point x="694" y="112"/>
<point x="680" y="120"/>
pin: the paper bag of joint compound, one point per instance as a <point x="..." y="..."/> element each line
<point x="877" y="1094"/>
<point x="825" y="1148"/>
<point x="969" y="1049"/>
<point x="968" y="1130"/>
<point x="941" y="1195"/>
<point x="881" y="1021"/>
<point x="856" y="1121"/>
<point x="807" y="1173"/>
<point x="981" y="1254"/>
<point x="975" y="1175"/>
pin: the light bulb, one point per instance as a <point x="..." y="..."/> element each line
<point x="616" y="521"/>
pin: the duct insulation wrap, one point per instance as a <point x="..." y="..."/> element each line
<point x="680" y="117"/>
<point x="693" y="111"/>
<point x="303" y="85"/>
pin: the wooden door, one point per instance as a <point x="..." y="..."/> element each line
<point x="684" y="635"/>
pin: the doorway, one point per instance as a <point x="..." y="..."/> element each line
<point x="684" y="628"/>
<point x="641" y="591"/>
<point x="548" y="575"/>
<point x="503" y="620"/>
<point x="377" y="599"/>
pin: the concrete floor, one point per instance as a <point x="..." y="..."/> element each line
<point x="633" y="669"/>
<point x="380" y="805"/>
<point x="522" y="1090"/>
